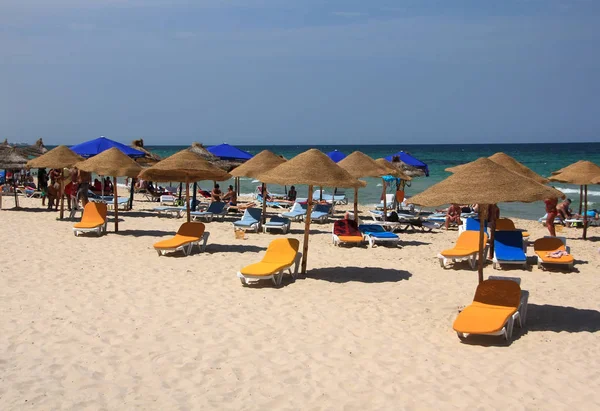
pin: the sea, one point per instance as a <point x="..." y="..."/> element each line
<point x="541" y="158"/>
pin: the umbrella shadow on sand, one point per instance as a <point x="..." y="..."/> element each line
<point x="232" y="248"/>
<point x="143" y="233"/>
<point x="358" y="274"/>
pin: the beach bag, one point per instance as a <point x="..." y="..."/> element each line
<point x="240" y="233"/>
<point x="345" y="228"/>
<point x="393" y="217"/>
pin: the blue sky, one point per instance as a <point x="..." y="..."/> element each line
<point x="300" y="72"/>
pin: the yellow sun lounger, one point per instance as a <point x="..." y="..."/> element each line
<point x="188" y="235"/>
<point x="466" y="248"/>
<point x="506" y="224"/>
<point x="494" y="310"/>
<point x="545" y="247"/>
<point x="92" y="220"/>
<point x="280" y="256"/>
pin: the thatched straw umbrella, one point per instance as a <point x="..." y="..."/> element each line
<point x="312" y="168"/>
<point x="260" y="163"/>
<point x="582" y="173"/>
<point x="59" y="157"/>
<point x="511" y="164"/>
<point x="580" y="187"/>
<point x="484" y="182"/>
<point x="184" y="166"/>
<point x="360" y="165"/>
<point x="149" y="157"/>
<point x="111" y="162"/>
<point x="11" y="159"/>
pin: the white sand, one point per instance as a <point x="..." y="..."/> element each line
<point x="104" y="323"/>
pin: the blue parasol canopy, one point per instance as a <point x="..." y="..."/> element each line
<point x="336" y="156"/>
<point x="226" y="152"/>
<point x="96" y="146"/>
<point x="410" y="160"/>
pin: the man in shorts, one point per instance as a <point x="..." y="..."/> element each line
<point x="83" y="179"/>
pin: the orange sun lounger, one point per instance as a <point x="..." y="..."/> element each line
<point x="188" y="235"/>
<point x="280" y="256"/>
<point x="494" y="310"/>
<point x="92" y="220"/>
<point x="506" y="224"/>
<point x="544" y="247"/>
<point x="466" y="248"/>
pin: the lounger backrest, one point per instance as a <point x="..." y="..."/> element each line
<point x="216" y="207"/>
<point x="371" y="228"/>
<point x="472" y="224"/>
<point x="252" y="214"/>
<point x="470" y="239"/>
<point x="548" y="244"/>
<point x="322" y="208"/>
<point x="509" y="238"/>
<point x="191" y="229"/>
<point x="505" y="224"/>
<point x="282" y="250"/>
<point x="94" y="211"/>
<point x="503" y="293"/>
<point x="346" y="228"/>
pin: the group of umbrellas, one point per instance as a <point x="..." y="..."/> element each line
<point x="485" y="181"/>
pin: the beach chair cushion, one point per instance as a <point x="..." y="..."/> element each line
<point x="472" y="224"/>
<point x="94" y="215"/>
<point x="506" y="224"/>
<point x="494" y="304"/>
<point x="466" y="244"/>
<point x="543" y="247"/>
<point x="280" y="254"/>
<point x="508" y="246"/>
<point x="187" y="233"/>
<point x="346" y="228"/>
<point x="376" y="231"/>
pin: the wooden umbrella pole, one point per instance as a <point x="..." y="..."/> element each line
<point x="580" y="198"/>
<point x="187" y="198"/>
<point x="384" y="200"/>
<point x="307" y="229"/>
<point x="320" y="193"/>
<point x="356" y="204"/>
<point x="264" y="204"/>
<point x="492" y="226"/>
<point x="62" y="195"/>
<point x="481" y="255"/>
<point x="585" y="212"/>
<point x="116" y="204"/>
<point x="131" y="193"/>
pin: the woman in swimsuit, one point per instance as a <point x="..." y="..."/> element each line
<point x="552" y="212"/>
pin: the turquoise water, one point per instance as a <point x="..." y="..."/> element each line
<point x="541" y="158"/>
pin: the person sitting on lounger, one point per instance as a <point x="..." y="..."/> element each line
<point x="230" y="196"/>
<point x="564" y="212"/>
<point x="453" y="215"/>
<point x="266" y="196"/>
<point x="108" y="186"/>
<point x="292" y="194"/>
<point x="215" y="194"/>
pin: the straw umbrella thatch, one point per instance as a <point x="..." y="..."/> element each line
<point x="260" y="163"/>
<point x="312" y="168"/>
<point x="59" y="157"/>
<point x="112" y="162"/>
<point x="484" y="182"/>
<point x="511" y="164"/>
<point x="11" y="159"/>
<point x="149" y="157"/>
<point x="184" y="166"/>
<point x="360" y="165"/>
<point x="581" y="173"/>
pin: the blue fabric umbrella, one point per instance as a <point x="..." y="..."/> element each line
<point x="336" y="156"/>
<point x="227" y="152"/>
<point x="98" y="145"/>
<point x="410" y="160"/>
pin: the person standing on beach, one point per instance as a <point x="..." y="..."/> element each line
<point x="551" y="212"/>
<point x="83" y="179"/>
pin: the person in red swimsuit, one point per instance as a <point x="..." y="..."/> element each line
<point x="552" y="212"/>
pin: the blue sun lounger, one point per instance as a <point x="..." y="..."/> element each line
<point x="296" y="213"/>
<point x="375" y="233"/>
<point x="320" y="213"/>
<point x="277" y="223"/>
<point x="508" y="248"/>
<point x="472" y="224"/>
<point x="250" y="219"/>
<point x="216" y="209"/>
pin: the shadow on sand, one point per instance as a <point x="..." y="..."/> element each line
<point x="142" y="233"/>
<point x="358" y="274"/>
<point x="232" y="248"/>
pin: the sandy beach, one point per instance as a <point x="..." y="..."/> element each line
<point x="103" y="323"/>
